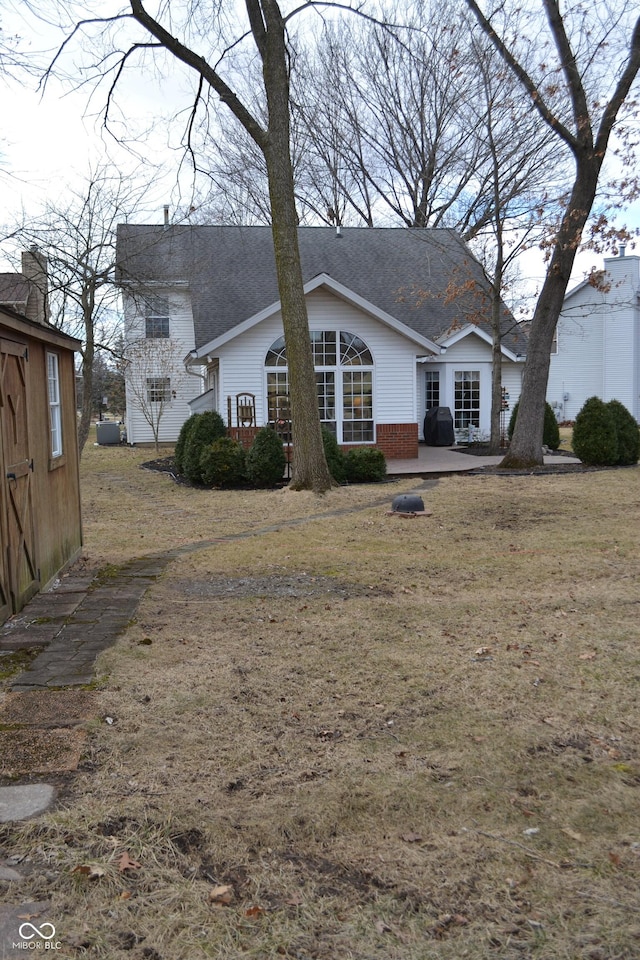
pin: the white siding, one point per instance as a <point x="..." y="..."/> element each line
<point x="184" y="385"/>
<point x="242" y="367"/>
<point x="599" y="343"/>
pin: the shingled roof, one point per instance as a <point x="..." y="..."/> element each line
<point x="14" y="289"/>
<point x="231" y="272"/>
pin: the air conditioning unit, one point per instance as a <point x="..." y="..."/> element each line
<point x="107" y="433"/>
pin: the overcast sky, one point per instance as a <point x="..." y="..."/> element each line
<point x="51" y="139"/>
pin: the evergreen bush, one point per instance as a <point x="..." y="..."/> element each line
<point x="334" y="456"/>
<point x="208" y="427"/>
<point x="365" y="465"/>
<point x="266" y="459"/>
<point x="550" y="430"/>
<point x="185" y="430"/>
<point x="627" y="431"/>
<point x="222" y="463"/>
<point x="595" y="438"/>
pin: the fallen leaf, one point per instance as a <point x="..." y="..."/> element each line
<point x="411" y="837"/>
<point x="222" y="895"/>
<point x="573" y="834"/>
<point x="295" y="901"/>
<point x="125" y="895"/>
<point x="615" y="858"/>
<point x="588" y="656"/>
<point x="483" y="651"/>
<point x="254" y="912"/>
<point x="126" y="863"/>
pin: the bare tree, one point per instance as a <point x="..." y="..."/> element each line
<point x="578" y="71"/>
<point x="154" y="375"/>
<point x="78" y="237"/>
<point x="267" y="29"/>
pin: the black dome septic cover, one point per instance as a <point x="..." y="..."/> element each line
<point x="408" y="503"/>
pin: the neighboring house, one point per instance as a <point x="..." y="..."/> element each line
<point x="40" y="524"/>
<point x="597" y="347"/>
<point x="398" y="322"/>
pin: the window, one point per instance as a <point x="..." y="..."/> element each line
<point x="357" y="400"/>
<point x="326" y="386"/>
<point x="158" y="389"/>
<point x="156" y="317"/>
<point x="55" y="413"/>
<point x="345" y="395"/>
<point x="431" y="389"/>
<point x="324" y="347"/>
<point x="467" y="399"/>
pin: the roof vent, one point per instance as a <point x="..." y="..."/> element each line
<point x="166" y="215"/>
<point x="339" y="232"/>
<point x="623" y="250"/>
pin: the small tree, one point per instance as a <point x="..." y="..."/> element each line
<point x="595" y="438"/>
<point x="627" y="432"/>
<point x="154" y="373"/>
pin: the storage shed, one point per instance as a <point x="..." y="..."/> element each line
<point x="40" y="518"/>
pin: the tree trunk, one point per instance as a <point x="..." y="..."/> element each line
<point x="88" y="355"/>
<point x="525" y="449"/>
<point x="310" y="471"/>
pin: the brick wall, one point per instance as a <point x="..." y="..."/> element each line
<point x="398" y="441"/>
<point x="244" y="435"/>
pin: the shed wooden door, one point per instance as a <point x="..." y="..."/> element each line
<point x="21" y="566"/>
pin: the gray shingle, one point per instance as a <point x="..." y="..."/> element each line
<point x="231" y="272"/>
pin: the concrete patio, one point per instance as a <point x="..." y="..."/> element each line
<point x="454" y="460"/>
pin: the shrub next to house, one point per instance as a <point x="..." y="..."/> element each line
<point x="334" y="456"/>
<point x="365" y="465"/>
<point x="550" y="430"/>
<point x="266" y="459"/>
<point x="627" y="432"/>
<point x="207" y="427"/>
<point x="222" y="463"/>
<point x="595" y="439"/>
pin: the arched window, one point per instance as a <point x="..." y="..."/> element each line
<point x="345" y="394"/>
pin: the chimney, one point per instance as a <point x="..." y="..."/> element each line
<point x="623" y="250"/>
<point x="166" y="215"/>
<point x="35" y="270"/>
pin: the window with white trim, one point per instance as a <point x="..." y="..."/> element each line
<point x="345" y="394"/>
<point x="158" y="389"/>
<point x="466" y="399"/>
<point x="156" y="317"/>
<point x="431" y="389"/>
<point x="55" y="410"/>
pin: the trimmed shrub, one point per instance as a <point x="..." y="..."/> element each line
<point x="266" y="459"/>
<point x="185" y="430"/>
<point x="208" y="427"/>
<point x="365" y="465"/>
<point x="550" y="430"/>
<point x="595" y="438"/>
<point x="627" y="431"/>
<point x="222" y="463"/>
<point x="334" y="456"/>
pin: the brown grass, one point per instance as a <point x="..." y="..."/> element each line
<point x="390" y="738"/>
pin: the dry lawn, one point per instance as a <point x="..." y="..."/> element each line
<point x="339" y="734"/>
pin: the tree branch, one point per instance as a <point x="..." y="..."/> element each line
<point x="200" y="65"/>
